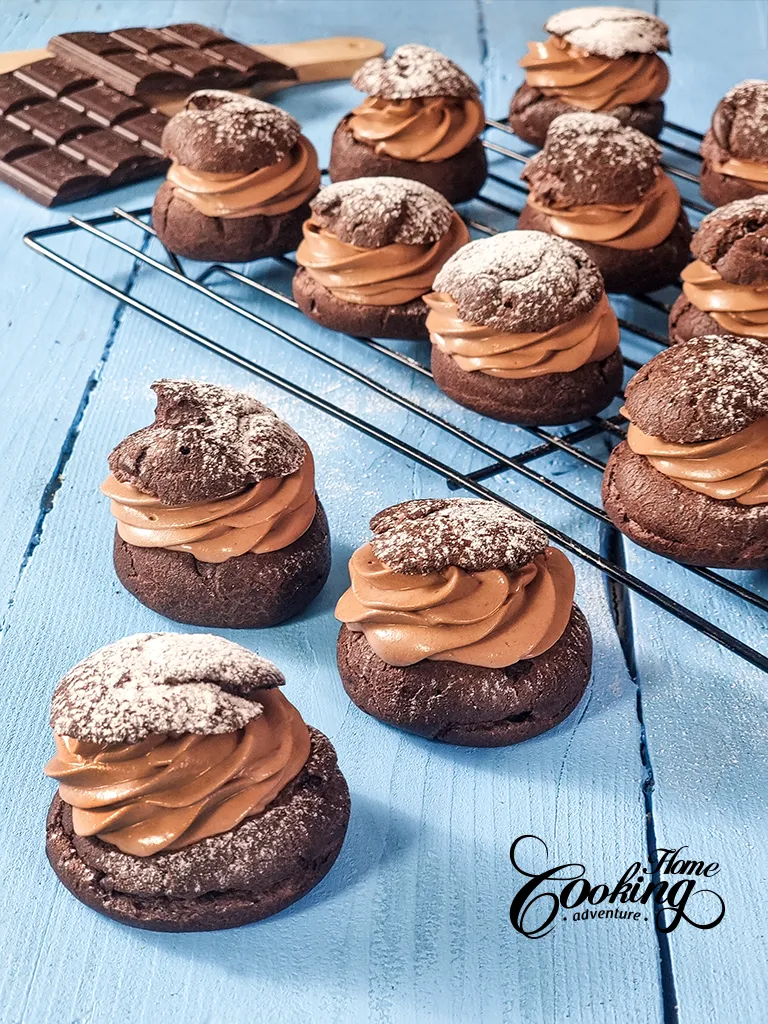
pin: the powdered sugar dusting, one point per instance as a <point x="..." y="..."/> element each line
<point x="220" y="118"/>
<point x="413" y="71"/>
<point x="428" y="535"/>
<point x="520" y="281"/>
<point x="161" y="683"/>
<point x="588" y="141"/>
<point x="373" y="212"/>
<point x="733" y="240"/>
<point x="610" y="31"/>
<point x="705" y="388"/>
<point x="740" y="123"/>
<point x="752" y="93"/>
<point x="207" y="441"/>
<point x="740" y="209"/>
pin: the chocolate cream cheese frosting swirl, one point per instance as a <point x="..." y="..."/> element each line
<point x="600" y="58"/>
<point x="458" y="580"/>
<point x="217" y="474"/>
<point x="235" y="156"/>
<point x="599" y="181"/>
<point x="699" y="413"/>
<point x="737" y="143"/>
<point x="729" y="278"/>
<point x="521" y="304"/>
<point x="165" y="739"/>
<point x="420" y="106"/>
<point x="379" y="241"/>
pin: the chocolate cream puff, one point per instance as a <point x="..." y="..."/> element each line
<point x="218" y="521"/>
<point x="522" y="330"/>
<point x="371" y="250"/>
<point x="421" y="120"/>
<point x="735" y="149"/>
<point x="459" y="624"/>
<point x="597" y="59"/>
<point x="192" y="795"/>
<point x="691" y="480"/>
<point x="601" y="186"/>
<point x="239" y="181"/>
<point x="725" y="289"/>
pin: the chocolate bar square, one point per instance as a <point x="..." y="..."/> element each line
<point x="174" y="60"/>
<point x="64" y="135"/>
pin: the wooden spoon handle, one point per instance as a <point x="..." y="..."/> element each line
<point x="13" y="59"/>
<point x="321" y="60"/>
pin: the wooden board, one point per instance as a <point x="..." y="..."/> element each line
<point x="412" y="923"/>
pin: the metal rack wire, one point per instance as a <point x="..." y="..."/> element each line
<point x="545" y="442"/>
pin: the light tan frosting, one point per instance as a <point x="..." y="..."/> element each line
<point x="269" y="191"/>
<point x="589" y="82"/>
<point x="640" y="225"/>
<point x="387" y="276"/>
<point x="731" y="468"/>
<point x="424" y="129"/>
<point x="492" y="618"/>
<point x="738" y="308"/>
<point x="167" y="792"/>
<point x="748" y="170"/>
<point x="266" y="517"/>
<point x="586" y="339"/>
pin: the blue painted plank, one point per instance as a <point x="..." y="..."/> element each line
<point x="714" y="46"/>
<point x="705" y="711"/>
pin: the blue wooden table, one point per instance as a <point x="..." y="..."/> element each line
<point x="668" y="749"/>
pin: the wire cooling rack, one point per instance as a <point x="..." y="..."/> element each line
<point x="680" y="160"/>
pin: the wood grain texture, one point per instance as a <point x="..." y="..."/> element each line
<point x="411" y="924"/>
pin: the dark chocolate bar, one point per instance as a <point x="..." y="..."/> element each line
<point x="174" y="60"/>
<point x="65" y="135"/>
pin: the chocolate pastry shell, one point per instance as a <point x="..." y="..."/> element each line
<point x="466" y="704"/>
<point x="185" y="231"/>
<point x="531" y="114"/>
<point x="687" y="321"/>
<point x="295" y="843"/>
<point x="720" y="189"/>
<point x="629" y="270"/>
<point x="458" y="178"/>
<point x="406" y="322"/>
<point x="679" y="523"/>
<point x="549" y="400"/>
<point x="247" y="592"/>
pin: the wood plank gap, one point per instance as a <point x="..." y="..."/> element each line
<point x="482" y="39"/>
<point x="52" y="487"/>
<point x="621" y="611"/>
